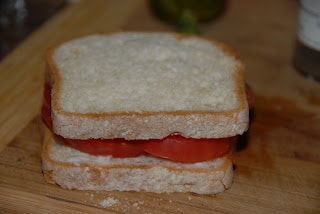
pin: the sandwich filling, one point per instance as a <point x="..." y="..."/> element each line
<point x="173" y="147"/>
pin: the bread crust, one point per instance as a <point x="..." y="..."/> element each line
<point x="164" y="177"/>
<point x="151" y="125"/>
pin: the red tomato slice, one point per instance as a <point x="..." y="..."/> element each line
<point x="173" y="147"/>
<point x="179" y="148"/>
<point x="46" y="107"/>
<point x="116" y="147"/>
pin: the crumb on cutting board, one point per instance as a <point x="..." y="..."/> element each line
<point x="108" y="202"/>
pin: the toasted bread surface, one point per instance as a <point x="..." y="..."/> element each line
<point x="146" y="86"/>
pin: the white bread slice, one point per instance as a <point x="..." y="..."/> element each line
<point x="72" y="169"/>
<point x="146" y="86"/>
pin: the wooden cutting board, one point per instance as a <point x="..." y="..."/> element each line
<point x="277" y="162"/>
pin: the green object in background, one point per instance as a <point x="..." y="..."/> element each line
<point x="186" y="14"/>
<point x="187" y="23"/>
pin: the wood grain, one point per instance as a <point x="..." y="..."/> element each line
<point x="277" y="162"/>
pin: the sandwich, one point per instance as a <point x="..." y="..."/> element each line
<point x="143" y="111"/>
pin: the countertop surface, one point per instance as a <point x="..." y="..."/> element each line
<point x="277" y="169"/>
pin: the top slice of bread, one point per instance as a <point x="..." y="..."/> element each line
<point x="136" y="85"/>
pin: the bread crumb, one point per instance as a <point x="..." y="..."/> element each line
<point x="136" y="205"/>
<point x="109" y="202"/>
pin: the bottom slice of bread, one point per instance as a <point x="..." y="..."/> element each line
<point x="72" y="169"/>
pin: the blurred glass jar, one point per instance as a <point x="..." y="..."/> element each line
<point x="18" y="18"/>
<point x="307" y="53"/>
<point x="186" y="14"/>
